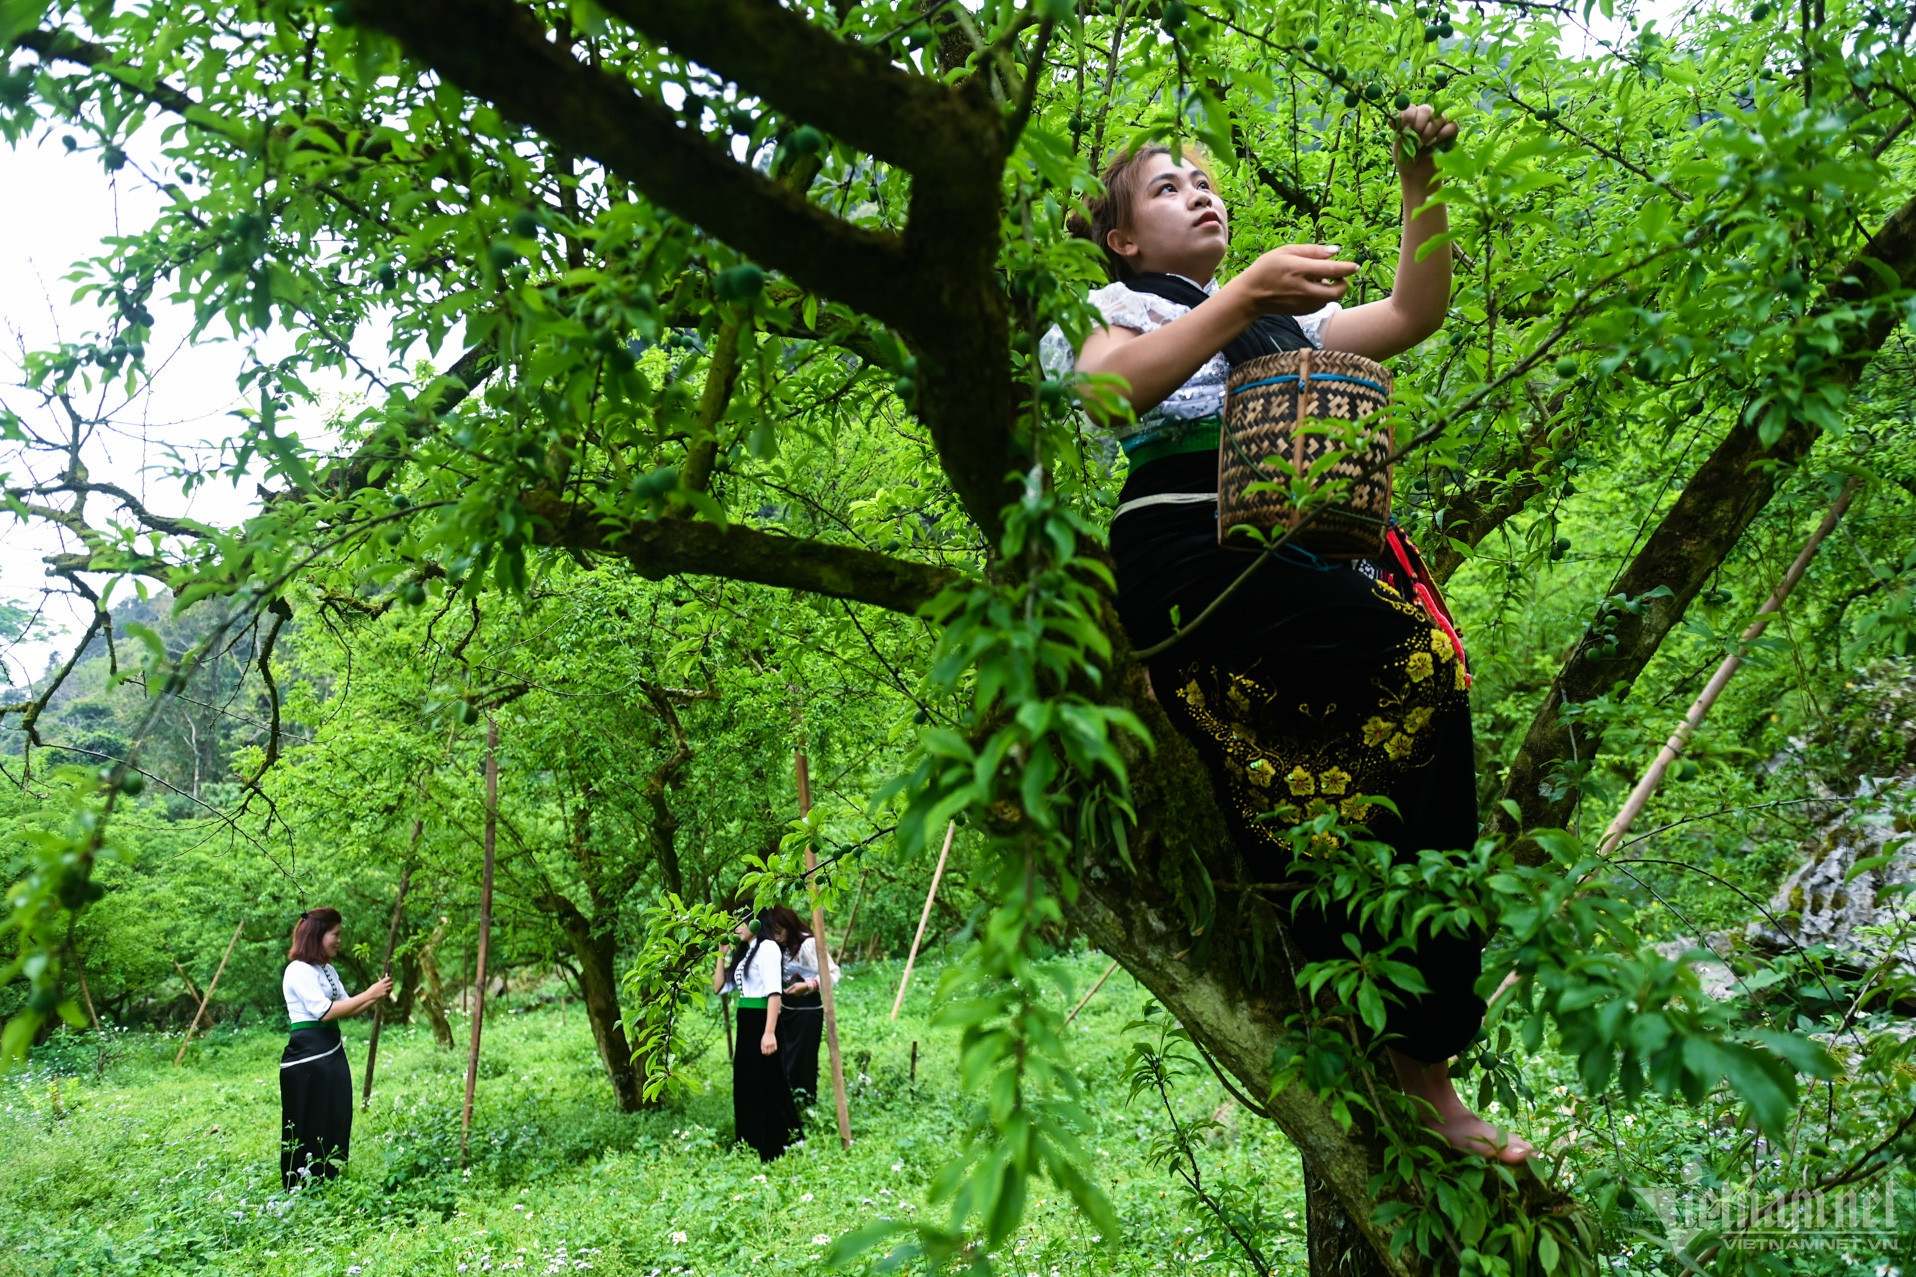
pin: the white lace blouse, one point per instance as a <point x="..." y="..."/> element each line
<point x="1199" y="397"/>
<point x="758" y="974"/>
<point x="804" y="965"/>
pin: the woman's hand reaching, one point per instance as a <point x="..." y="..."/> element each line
<point x="1294" y="280"/>
<point x="1420" y="131"/>
<point x="768" y="1045"/>
<point x="379" y="989"/>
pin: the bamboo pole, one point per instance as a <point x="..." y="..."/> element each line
<point x="1680" y="738"/>
<point x="851" y="919"/>
<point x="386" y="966"/>
<point x="485" y="934"/>
<point x="192" y="990"/>
<point x="951" y="830"/>
<point x="1093" y="993"/>
<point x="826" y="991"/>
<point x="208" y="995"/>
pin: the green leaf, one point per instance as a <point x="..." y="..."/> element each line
<point x="17" y="17"/>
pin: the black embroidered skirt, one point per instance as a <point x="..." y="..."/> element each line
<point x="801" y="1027"/>
<point x="315" y="1105"/>
<point x="1313" y="685"/>
<point x="763" y="1114"/>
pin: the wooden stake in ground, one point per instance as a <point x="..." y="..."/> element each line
<point x="1093" y="993"/>
<point x="208" y="995"/>
<point x="950" y="831"/>
<point x="485" y="933"/>
<point x="386" y="966"/>
<point x="824" y="963"/>
<point x="79" y="969"/>
<point x="1680" y="738"/>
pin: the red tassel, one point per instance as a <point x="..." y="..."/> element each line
<point x="1426" y="591"/>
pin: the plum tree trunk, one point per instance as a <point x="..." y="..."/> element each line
<point x="432" y="997"/>
<point x="596" y="950"/>
<point x="1221" y="965"/>
<point x="1337" y="1246"/>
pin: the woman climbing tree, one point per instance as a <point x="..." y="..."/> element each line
<point x="1324" y="681"/>
<point x="315" y="1082"/>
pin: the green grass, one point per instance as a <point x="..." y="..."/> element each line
<point x="118" y="1162"/>
<point x="115" y="1161"/>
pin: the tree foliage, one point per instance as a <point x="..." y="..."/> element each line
<point x="730" y="434"/>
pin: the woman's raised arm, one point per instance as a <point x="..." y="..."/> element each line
<point x="1293" y="280"/>
<point x="354" y="1005"/>
<point x="1420" y="297"/>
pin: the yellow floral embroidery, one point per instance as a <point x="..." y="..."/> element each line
<point x="1302" y="783"/>
<point x="1378" y="730"/>
<point x="1419" y="666"/>
<point x="1334" y="781"/>
<point x="1415" y="721"/>
<point x="1261" y="772"/>
<point x="1354" y="808"/>
<point x="1194" y="694"/>
<point x="1440" y="644"/>
<point x="1399" y="746"/>
<point x="1239" y="701"/>
<point x="1460" y="682"/>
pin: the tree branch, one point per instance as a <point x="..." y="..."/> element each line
<point x="499" y="51"/>
<point x="1718" y="505"/>
<point x="670" y="547"/>
<point x="850" y="90"/>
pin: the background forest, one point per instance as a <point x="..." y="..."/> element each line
<point x="705" y="427"/>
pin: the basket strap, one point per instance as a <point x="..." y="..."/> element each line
<point x="1303" y="395"/>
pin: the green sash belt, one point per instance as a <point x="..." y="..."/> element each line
<point x="752" y="1004"/>
<point x="302" y="1024"/>
<point x="1200" y="437"/>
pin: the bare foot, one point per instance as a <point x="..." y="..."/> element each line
<point x="1462" y="1129"/>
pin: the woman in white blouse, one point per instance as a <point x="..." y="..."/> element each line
<point x="763" y="1114"/>
<point x="315" y="1082"/>
<point x="804" y="1012"/>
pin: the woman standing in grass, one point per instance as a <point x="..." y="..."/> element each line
<point x="803" y="1014"/>
<point x="763" y="1114"/>
<point x="315" y="1083"/>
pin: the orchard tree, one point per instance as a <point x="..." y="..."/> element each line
<point x="677" y="239"/>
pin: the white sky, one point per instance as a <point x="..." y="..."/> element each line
<point x="60" y="207"/>
<point x="73" y="206"/>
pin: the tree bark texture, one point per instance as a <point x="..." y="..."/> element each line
<point x="432" y="998"/>
<point x="597" y="954"/>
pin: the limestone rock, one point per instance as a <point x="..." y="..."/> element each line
<point x="1864" y="917"/>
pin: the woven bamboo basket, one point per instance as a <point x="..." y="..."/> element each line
<point x="1268" y="404"/>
